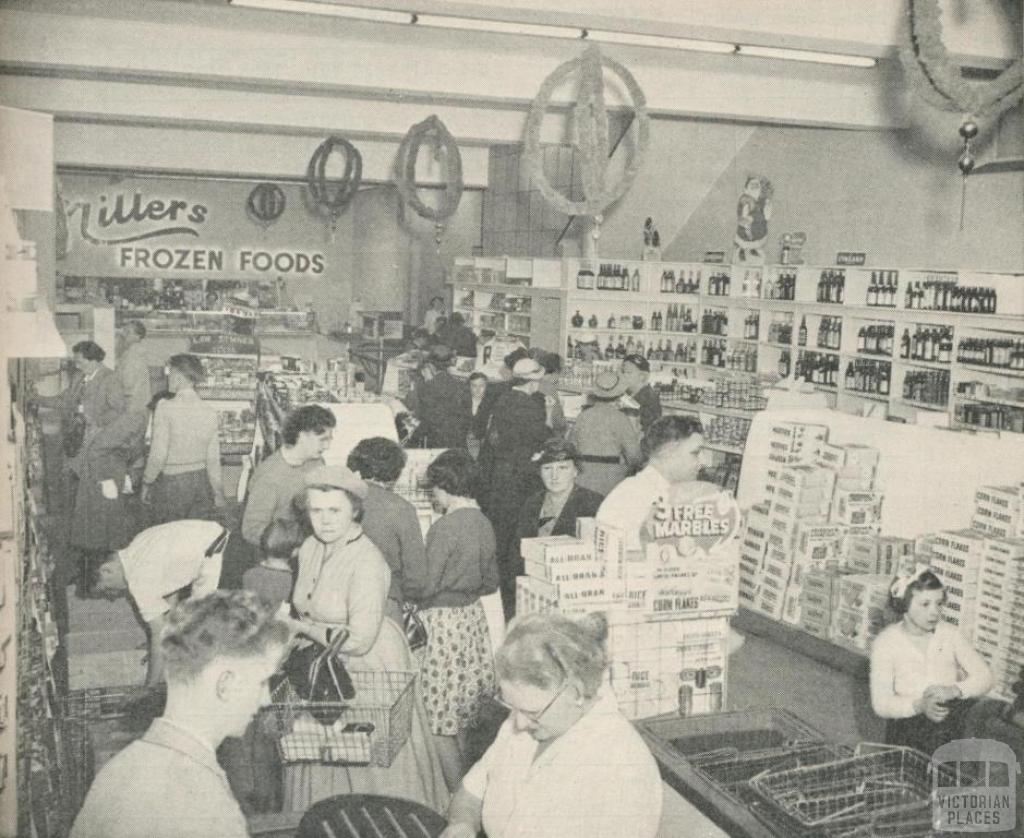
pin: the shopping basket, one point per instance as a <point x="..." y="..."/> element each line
<point x="880" y="790"/>
<point x="370" y="730"/>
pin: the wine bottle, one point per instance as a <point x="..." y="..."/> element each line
<point x="577" y="320"/>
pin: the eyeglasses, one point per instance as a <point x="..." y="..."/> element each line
<point x="533" y="715"/>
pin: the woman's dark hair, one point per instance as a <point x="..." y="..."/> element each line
<point x="89" y="349"/>
<point x="515" y="355"/>
<point x="671" y="428"/>
<point x="377" y="459"/>
<point x="436" y="300"/>
<point x="189" y="366"/>
<point x="157" y="398"/>
<point x="456" y="319"/>
<point x="300" y="503"/>
<point x="281" y="538"/>
<point x="557" y="450"/>
<point x="925" y="581"/>
<point x="309" y="418"/>
<point x="455" y="472"/>
<point x="138" y="327"/>
<point x="478" y="376"/>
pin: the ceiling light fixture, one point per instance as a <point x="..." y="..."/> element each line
<point x="331" y="9"/>
<point x="806" y="55"/>
<point x="541" y="30"/>
<point x="662" y="41"/>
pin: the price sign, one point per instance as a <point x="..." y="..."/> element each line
<point x="850" y="258"/>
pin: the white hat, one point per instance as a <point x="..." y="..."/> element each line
<point x="528" y="369"/>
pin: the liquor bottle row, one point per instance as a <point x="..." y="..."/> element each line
<point x="751" y="326"/>
<point x="719" y="284"/>
<point x="935" y="344"/>
<point x="830" y="333"/>
<point x="1002" y="353"/>
<point x="780" y="331"/>
<point x="865" y="376"/>
<point x="677" y="318"/>
<point x="817" y="368"/>
<point x="610" y="277"/>
<point x="727" y="430"/>
<point x="715" y="322"/>
<point x="718" y="354"/>
<point x="927" y="387"/>
<point x="738" y="393"/>
<point x="943" y="295"/>
<point x="622" y="321"/>
<point x="876" y="339"/>
<point x="783" y="287"/>
<point x="831" y="286"/>
<point x="996" y="416"/>
<point x="688" y="282"/>
<point x="882" y="289"/>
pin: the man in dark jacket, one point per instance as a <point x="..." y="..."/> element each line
<point x="636" y="369"/>
<point x="442" y="423"/>
<point x="459" y="337"/>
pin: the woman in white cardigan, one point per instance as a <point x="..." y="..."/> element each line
<point x="924" y="674"/>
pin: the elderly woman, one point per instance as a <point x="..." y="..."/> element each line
<point x="608" y="442"/>
<point x="342" y="583"/>
<point x="554" y="510"/>
<point x="390" y="521"/>
<point x="566" y="763"/>
<point x="457" y="671"/>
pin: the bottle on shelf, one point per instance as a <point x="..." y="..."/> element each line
<point x="592" y="321"/>
<point x="801" y="338"/>
<point x="577" y="320"/>
<point x="609" y="351"/>
<point x="611" y="321"/>
<point x="905" y="343"/>
<point x="635" y="282"/>
<point x="784" y="363"/>
<point x="585" y="279"/>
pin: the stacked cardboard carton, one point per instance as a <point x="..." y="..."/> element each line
<point x="668" y="626"/>
<point x="820" y="498"/>
<point x="956" y="560"/>
<point x="860" y="610"/>
<point x="997" y="511"/>
<point x="999" y="620"/>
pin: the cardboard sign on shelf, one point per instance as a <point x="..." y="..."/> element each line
<point x="929" y="475"/>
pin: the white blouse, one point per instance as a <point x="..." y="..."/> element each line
<point x="901" y="670"/>
<point x="597" y="780"/>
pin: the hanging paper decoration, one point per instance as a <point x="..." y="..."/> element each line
<point x="334" y="198"/>
<point x="937" y="79"/>
<point x="265" y="204"/>
<point x="433" y="130"/>
<point x="590" y="135"/>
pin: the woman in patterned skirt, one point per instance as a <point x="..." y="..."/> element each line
<point x="457" y="672"/>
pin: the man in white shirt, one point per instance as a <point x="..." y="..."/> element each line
<point x="221" y="651"/>
<point x="159" y="563"/>
<point x="674" y="446"/>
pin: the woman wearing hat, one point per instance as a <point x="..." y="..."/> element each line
<point x="518" y="428"/>
<point x="343" y="583"/>
<point x="607" y="441"/>
<point x="554" y="510"/>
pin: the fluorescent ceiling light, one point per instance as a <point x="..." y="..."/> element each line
<point x="663" y="41"/>
<point x="501" y="26"/>
<point x="332" y="9"/>
<point x="806" y="55"/>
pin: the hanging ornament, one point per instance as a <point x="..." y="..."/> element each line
<point x="330" y="198"/>
<point x="433" y="130"/>
<point x="589" y="132"/>
<point x="265" y="204"/>
<point x="966" y="163"/>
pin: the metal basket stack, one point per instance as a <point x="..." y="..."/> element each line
<point x="369" y="730"/>
<point x="883" y="793"/>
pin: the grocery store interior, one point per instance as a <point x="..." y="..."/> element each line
<point x="252" y="247"/>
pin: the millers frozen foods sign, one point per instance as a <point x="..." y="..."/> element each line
<point x="184" y="229"/>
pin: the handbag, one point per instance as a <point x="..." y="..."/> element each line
<point x="318" y="675"/>
<point x="415" y="631"/>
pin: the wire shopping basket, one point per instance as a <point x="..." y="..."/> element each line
<point x="369" y="730"/>
<point x="886" y="792"/>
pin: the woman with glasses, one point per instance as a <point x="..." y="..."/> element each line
<point x="554" y="510"/>
<point x="566" y="762"/>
